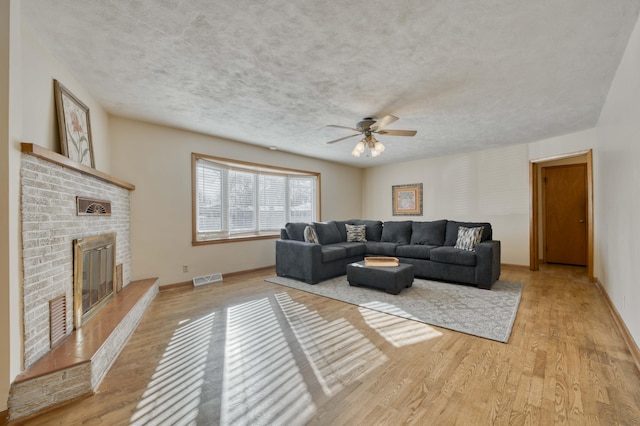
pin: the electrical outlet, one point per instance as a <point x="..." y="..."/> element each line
<point x="185" y="268"/>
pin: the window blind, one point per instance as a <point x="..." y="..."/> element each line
<point x="273" y="202"/>
<point x="209" y="199"/>
<point x="236" y="200"/>
<point x="302" y="199"/>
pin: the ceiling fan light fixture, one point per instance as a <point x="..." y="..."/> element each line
<point x="367" y="127"/>
<point x="358" y="149"/>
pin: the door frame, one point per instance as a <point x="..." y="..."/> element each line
<point x="534" y="228"/>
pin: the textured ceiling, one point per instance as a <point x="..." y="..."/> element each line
<point x="467" y="75"/>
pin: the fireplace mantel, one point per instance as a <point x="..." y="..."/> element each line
<point x="61" y="160"/>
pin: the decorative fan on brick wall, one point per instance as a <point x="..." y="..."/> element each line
<point x="87" y="206"/>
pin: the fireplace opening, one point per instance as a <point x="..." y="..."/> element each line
<point x="94" y="272"/>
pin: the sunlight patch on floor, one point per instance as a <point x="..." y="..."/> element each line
<point x="398" y="331"/>
<point x="337" y="352"/>
<point x="262" y="384"/>
<point x="173" y="394"/>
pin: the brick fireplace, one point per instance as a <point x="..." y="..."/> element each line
<point x="50" y="224"/>
<point x="59" y="369"/>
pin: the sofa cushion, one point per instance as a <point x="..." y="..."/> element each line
<point x="396" y="232"/>
<point x="353" y="249"/>
<point x="295" y="231"/>
<point x="341" y="228"/>
<point x="380" y="249"/>
<point x="333" y="252"/>
<point x="356" y="233"/>
<point x="453" y="256"/>
<point x="468" y="238"/>
<point x="415" y="251"/>
<point x="428" y="233"/>
<point x="374" y="228"/>
<point x="310" y="235"/>
<point x="328" y="232"/>
<point x="451" y="235"/>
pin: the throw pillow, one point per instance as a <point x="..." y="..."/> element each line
<point x="310" y="235"/>
<point x="468" y="238"/>
<point x="451" y="234"/>
<point x="374" y="228"/>
<point x="356" y="233"/>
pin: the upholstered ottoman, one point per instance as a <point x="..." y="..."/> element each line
<point x="390" y="279"/>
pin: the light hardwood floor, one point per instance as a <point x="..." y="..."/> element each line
<point x="250" y="352"/>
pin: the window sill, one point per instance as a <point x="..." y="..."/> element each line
<point x="235" y="239"/>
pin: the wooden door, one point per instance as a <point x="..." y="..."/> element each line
<point x="565" y="214"/>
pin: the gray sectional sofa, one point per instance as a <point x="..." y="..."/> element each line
<point x="429" y="246"/>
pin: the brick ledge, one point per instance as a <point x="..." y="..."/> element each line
<point x="79" y="363"/>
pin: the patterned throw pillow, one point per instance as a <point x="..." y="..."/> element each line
<point x="310" y="235"/>
<point x="468" y="238"/>
<point x="356" y="233"/>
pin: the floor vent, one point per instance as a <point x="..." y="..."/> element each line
<point x="207" y="279"/>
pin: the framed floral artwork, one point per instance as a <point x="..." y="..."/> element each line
<point x="74" y="126"/>
<point x="407" y="199"/>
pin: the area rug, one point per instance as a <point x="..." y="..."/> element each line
<point x="484" y="313"/>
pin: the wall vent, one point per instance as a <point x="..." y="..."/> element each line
<point x="90" y="207"/>
<point x="207" y="279"/>
<point x="57" y="319"/>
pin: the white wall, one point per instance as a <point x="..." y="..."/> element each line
<point x="39" y="69"/>
<point x="563" y="145"/>
<point x="489" y="186"/>
<point x="157" y="160"/>
<point x="10" y="130"/>
<point x="617" y="198"/>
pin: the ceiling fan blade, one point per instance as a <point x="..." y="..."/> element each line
<point x="398" y="132"/>
<point x="386" y="120"/>
<point x="341" y="139"/>
<point x="342" y="127"/>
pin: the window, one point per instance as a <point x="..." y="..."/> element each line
<point x="234" y="200"/>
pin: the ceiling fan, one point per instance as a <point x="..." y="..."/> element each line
<point x="367" y="127"/>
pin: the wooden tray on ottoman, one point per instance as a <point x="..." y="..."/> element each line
<point x="380" y="261"/>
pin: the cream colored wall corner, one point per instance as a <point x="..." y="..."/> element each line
<point x="39" y="69"/>
<point x="617" y="179"/>
<point x="10" y="132"/>
<point x="489" y="186"/>
<point x="158" y="160"/>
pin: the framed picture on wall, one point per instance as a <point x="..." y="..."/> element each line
<point x="407" y="199"/>
<point x="74" y="126"/>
